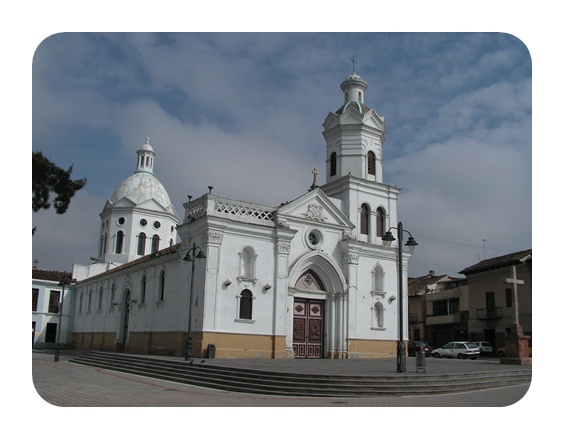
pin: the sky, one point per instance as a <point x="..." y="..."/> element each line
<point x="243" y="112"/>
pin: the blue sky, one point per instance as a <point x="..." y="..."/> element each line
<point x="243" y="112"/>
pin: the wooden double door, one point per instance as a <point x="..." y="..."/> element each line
<point x="308" y="328"/>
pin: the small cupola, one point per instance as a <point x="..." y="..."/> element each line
<point x="353" y="87"/>
<point x="145" y="158"/>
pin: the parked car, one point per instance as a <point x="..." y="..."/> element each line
<point x="415" y="346"/>
<point x="485" y="347"/>
<point x="457" y="349"/>
<point x="501" y="352"/>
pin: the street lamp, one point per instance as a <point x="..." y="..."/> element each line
<point x="411" y="243"/>
<point x="188" y="258"/>
<point x="63" y="283"/>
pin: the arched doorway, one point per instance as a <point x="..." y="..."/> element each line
<point x="319" y="302"/>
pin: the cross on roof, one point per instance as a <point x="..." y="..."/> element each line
<point x="353" y="62"/>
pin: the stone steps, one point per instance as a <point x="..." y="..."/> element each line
<point x="296" y="384"/>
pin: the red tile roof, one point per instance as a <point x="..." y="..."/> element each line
<point x="51" y="275"/>
<point x="499" y="262"/>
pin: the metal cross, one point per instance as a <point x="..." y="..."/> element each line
<point x="353" y="61"/>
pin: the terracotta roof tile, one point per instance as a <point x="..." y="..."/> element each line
<point x="50" y="275"/>
<point x="498" y="262"/>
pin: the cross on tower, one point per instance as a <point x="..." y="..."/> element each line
<point x="353" y="62"/>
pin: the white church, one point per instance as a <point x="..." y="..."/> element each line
<point x="310" y="278"/>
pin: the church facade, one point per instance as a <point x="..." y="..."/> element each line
<point x="310" y="278"/>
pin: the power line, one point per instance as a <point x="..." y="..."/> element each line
<point x="483" y="246"/>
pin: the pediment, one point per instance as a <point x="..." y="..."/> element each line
<point x="314" y="207"/>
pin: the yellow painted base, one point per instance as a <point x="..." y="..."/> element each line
<point x="226" y="345"/>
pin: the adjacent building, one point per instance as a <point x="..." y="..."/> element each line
<point x="493" y="302"/>
<point x="47" y="317"/>
<point x="500" y="291"/>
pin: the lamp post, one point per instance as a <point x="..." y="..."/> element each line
<point x="411" y="243"/>
<point x="188" y="258"/>
<point x="63" y="283"/>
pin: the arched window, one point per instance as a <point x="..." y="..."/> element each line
<point x="246" y="305"/>
<point x="378" y="279"/>
<point x="100" y="298"/>
<point x="101" y="245"/>
<point x="161" y="285"/>
<point x="141" y="243"/>
<point x="378" y="315"/>
<point x="333" y="163"/>
<point x="371" y="158"/>
<point x="247" y="263"/>
<point x="112" y="294"/>
<point x="364" y="219"/>
<point x="155" y="244"/>
<point x="89" y="300"/>
<point x="380" y="222"/>
<point x="80" y="301"/>
<point x="105" y="243"/>
<point x="143" y="289"/>
<point x="119" y="242"/>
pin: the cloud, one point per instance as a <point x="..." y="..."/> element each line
<point x="244" y="112"/>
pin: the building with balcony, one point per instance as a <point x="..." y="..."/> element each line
<point x="493" y="304"/>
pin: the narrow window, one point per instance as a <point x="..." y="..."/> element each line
<point x="161" y="285"/>
<point x="333" y="163"/>
<point x="141" y="244"/>
<point x="371" y="163"/>
<point x="246" y="305"/>
<point x="113" y="294"/>
<point x="34" y="298"/>
<point x="508" y="297"/>
<point x="105" y="242"/>
<point x="155" y="244"/>
<point x="80" y="302"/>
<point x="143" y="288"/>
<point x="90" y="301"/>
<point x="119" y="242"/>
<point x="364" y="217"/>
<point x="380" y="222"/>
<point x="54" y="301"/>
<point x="100" y="298"/>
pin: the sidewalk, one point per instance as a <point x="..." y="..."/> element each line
<point x="66" y="384"/>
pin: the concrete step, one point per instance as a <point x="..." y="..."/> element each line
<point x="294" y="384"/>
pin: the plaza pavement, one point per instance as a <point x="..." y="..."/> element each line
<point x="65" y="384"/>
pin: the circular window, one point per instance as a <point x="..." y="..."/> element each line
<point x="143" y="222"/>
<point x="157" y="225"/>
<point x="314" y="238"/>
<point x="121" y="221"/>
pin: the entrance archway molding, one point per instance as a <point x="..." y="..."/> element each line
<point x="334" y="294"/>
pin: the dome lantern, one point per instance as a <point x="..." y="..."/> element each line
<point x="145" y="158"/>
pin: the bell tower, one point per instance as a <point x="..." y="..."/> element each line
<point x="354" y="136"/>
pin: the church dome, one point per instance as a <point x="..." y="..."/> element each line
<point x="141" y="187"/>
